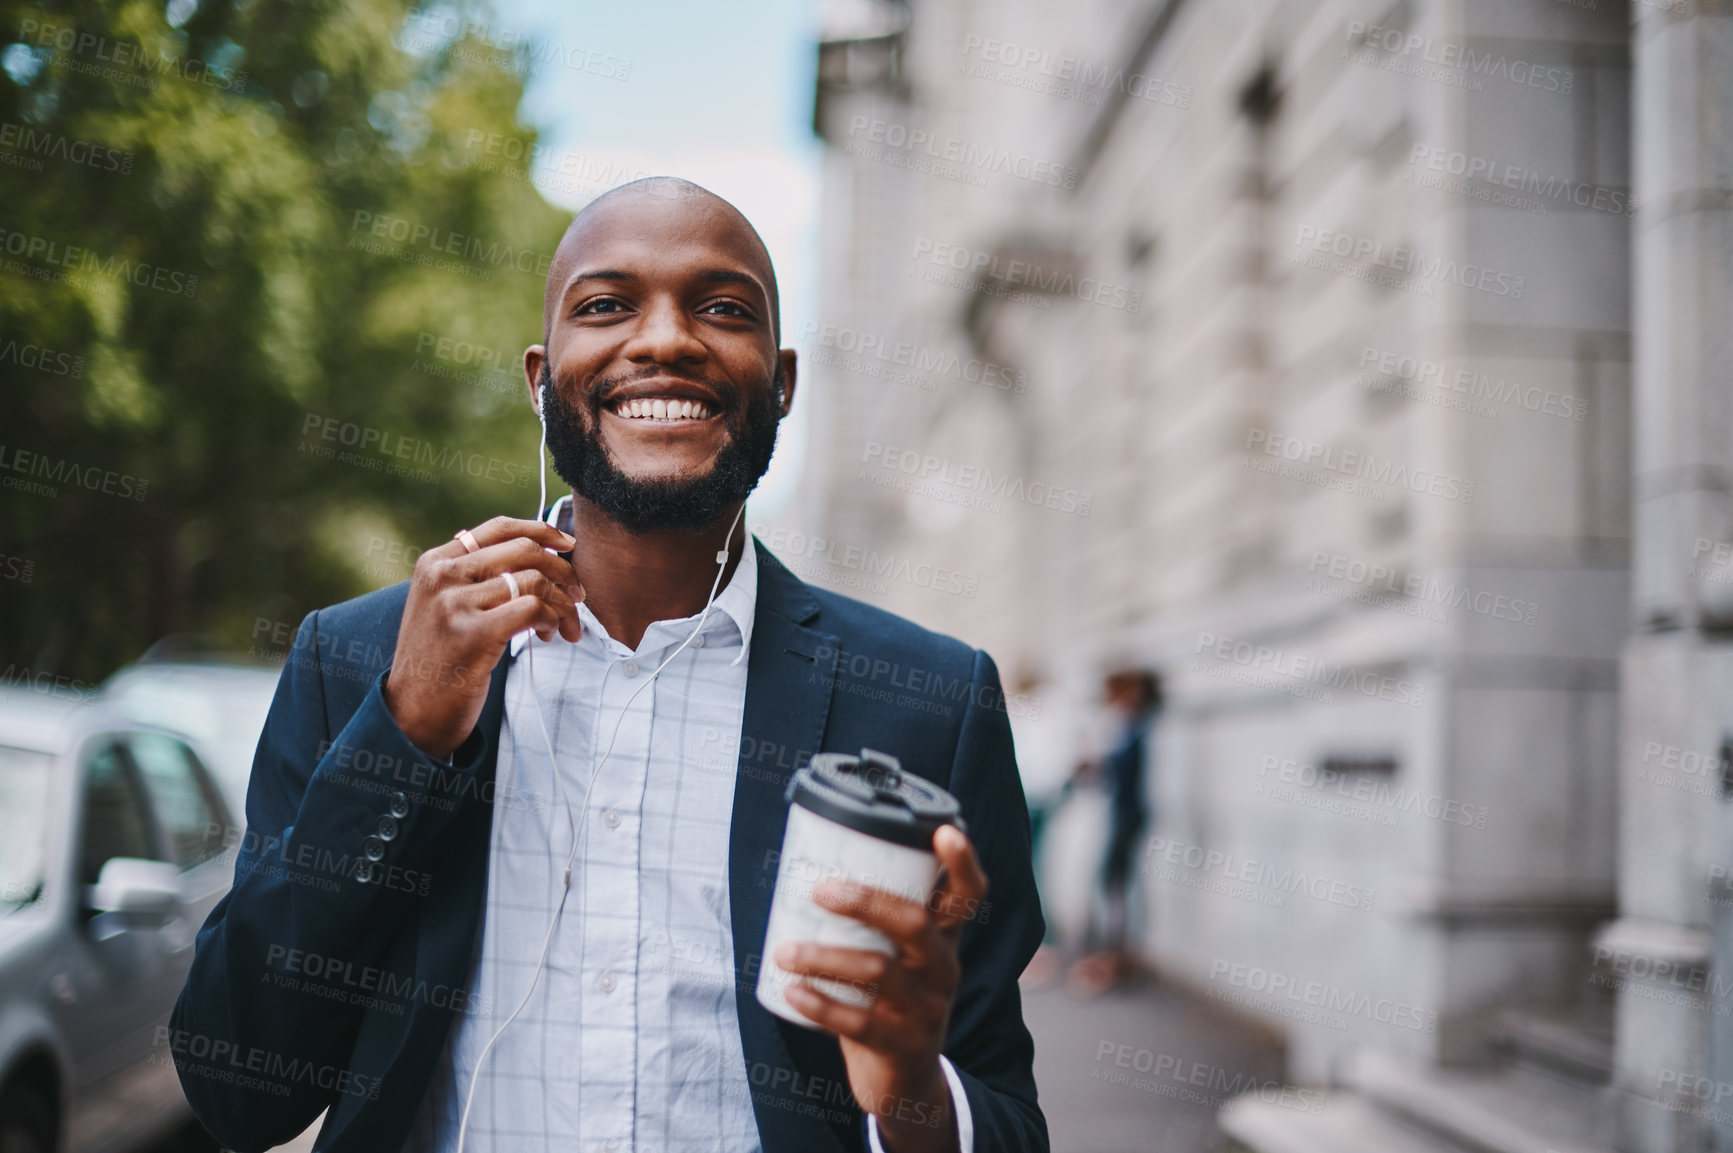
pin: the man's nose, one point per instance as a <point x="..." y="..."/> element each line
<point x="664" y="335"/>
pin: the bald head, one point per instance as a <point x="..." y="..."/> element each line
<point x="651" y="206"/>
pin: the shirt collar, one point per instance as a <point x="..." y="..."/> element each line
<point x="737" y="602"/>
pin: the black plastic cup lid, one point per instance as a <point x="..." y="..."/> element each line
<point x="871" y="794"/>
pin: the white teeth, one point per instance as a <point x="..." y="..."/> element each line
<point x="663" y="409"/>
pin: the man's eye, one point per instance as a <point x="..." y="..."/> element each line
<point x="727" y="308"/>
<point x="599" y="307"/>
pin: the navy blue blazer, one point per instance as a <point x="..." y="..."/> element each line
<point x="328" y="980"/>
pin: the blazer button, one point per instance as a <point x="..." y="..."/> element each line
<point x="387" y="829"/>
<point x="364" y="872"/>
<point x="399" y="805"/>
<point x="373" y="848"/>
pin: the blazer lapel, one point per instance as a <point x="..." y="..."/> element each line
<point x="797" y="1075"/>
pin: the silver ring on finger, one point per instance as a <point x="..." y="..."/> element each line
<point x="467" y="540"/>
<point x="511" y="583"/>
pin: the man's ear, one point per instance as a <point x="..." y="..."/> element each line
<point x="535" y="357"/>
<point x="789" y="356"/>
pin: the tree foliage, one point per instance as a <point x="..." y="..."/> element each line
<point x="261" y="305"/>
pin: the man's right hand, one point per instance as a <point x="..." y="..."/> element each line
<point x="460" y="617"/>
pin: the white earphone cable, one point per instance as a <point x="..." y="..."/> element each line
<point x="576" y="826"/>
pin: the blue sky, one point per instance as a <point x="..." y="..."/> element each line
<point x="721" y="72"/>
<point x="719" y="92"/>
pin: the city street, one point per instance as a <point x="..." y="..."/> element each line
<point x="1140" y="1070"/>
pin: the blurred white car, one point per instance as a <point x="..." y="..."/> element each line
<point x="117" y="821"/>
<point x="220" y="706"/>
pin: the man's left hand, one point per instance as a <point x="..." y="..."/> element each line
<point x="892" y="1048"/>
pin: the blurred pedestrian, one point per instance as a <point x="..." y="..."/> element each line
<point x="1134" y="696"/>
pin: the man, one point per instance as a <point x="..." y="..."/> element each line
<point x="401" y="891"/>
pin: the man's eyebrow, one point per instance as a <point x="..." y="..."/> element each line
<point x="601" y="274"/>
<point x="730" y="276"/>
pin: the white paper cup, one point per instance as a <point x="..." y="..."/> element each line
<point x="851" y="819"/>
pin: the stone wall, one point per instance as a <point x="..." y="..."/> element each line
<point x="1284" y="347"/>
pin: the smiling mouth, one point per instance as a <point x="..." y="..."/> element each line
<point x="662" y="409"/>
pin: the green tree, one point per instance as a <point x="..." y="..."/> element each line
<point x="248" y="256"/>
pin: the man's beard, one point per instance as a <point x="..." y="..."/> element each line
<point x="661" y="504"/>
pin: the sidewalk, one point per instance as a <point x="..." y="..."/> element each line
<point x="1140" y="1069"/>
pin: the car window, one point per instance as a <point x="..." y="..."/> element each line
<point x="182" y="796"/>
<point x="24" y="824"/>
<point x="116" y="821"/>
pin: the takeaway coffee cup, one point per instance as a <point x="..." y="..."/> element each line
<point x="859" y="819"/>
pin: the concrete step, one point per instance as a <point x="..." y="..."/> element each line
<point x="1578" y="1045"/>
<point x="1345" y="1124"/>
<point x="1509" y="1110"/>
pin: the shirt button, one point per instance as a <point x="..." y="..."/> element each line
<point x="698" y="641"/>
<point x="630" y="668"/>
<point x="605" y="982"/>
<point x="611" y="818"/>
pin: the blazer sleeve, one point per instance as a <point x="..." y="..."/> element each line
<point x="259" y="1059"/>
<point x="988" y="1042"/>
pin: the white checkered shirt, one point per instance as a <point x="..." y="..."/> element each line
<point x="631" y="1041"/>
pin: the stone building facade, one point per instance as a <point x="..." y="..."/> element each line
<point x="1364" y="368"/>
